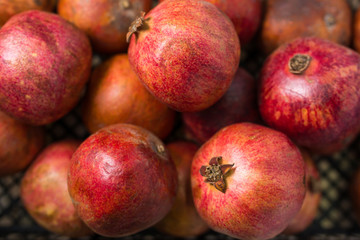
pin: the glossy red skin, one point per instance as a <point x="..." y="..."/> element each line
<point x="10" y="7"/>
<point x="320" y="108"/>
<point x="286" y="20"/>
<point x="44" y="191"/>
<point x="244" y="14"/>
<point x="265" y="188"/>
<point x="186" y="59"/>
<point x="45" y="63"/>
<point x="309" y="208"/>
<point x="238" y="104"/>
<point x="115" y="95"/>
<point x="183" y="219"/>
<point x="122" y="180"/>
<point x="106" y="22"/>
<point x="19" y="144"/>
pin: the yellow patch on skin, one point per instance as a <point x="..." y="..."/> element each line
<point x="22" y="82"/>
<point x="305" y="116"/>
<point x="312" y="116"/>
<point x="277" y="115"/>
<point x="27" y="96"/>
<point x="20" y="109"/>
<point x="34" y="54"/>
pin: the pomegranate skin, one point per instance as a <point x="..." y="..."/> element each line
<point x="122" y="180"/>
<point x="244" y="14"/>
<point x="44" y="191"/>
<point x="286" y="20"/>
<point x="45" y="63"/>
<point x="106" y="22"/>
<point x="265" y="187"/>
<point x="309" y="208"/>
<point x="186" y="59"/>
<point x="10" y="7"/>
<point x="319" y="108"/>
<point x="115" y="95"/>
<point x="19" y="144"/>
<point x="238" y="104"/>
<point x="183" y="219"/>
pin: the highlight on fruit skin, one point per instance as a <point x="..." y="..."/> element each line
<point x="186" y="59"/>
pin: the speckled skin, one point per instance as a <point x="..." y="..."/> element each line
<point x="44" y="191"/>
<point x="286" y="20"/>
<point x="309" y="208"/>
<point x="122" y="180"/>
<point x="238" y="104"/>
<point x="320" y="108"/>
<point x="9" y="8"/>
<point x="19" y="144"/>
<point x="244" y="14"/>
<point x="183" y="219"/>
<point x="115" y="95"/>
<point x="44" y="64"/>
<point x="106" y="22"/>
<point x="186" y="53"/>
<point x="265" y="188"/>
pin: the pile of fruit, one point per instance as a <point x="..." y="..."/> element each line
<point x="185" y="133"/>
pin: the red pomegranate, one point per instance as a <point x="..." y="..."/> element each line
<point x="244" y="14"/>
<point x="186" y="53"/>
<point x="44" y="64"/>
<point x="183" y="219"/>
<point x="115" y="95"/>
<point x="309" y="208"/>
<point x="310" y="90"/>
<point x="19" y="144"/>
<point x="106" y="22"/>
<point x="10" y="7"/>
<point x="248" y="181"/>
<point x="238" y="104"/>
<point x="45" y="194"/>
<point x="122" y="180"/>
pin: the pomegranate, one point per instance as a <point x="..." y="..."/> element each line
<point x="44" y="191"/>
<point x="19" y="144"/>
<point x="286" y="20"/>
<point x="10" y="7"/>
<point x="44" y="63"/>
<point x="244" y="14"/>
<point x="248" y="181"/>
<point x="115" y="95"/>
<point x="310" y="90"/>
<point x="239" y="104"/>
<point x="185" y="58"/>
<point x="122" y="180"/>
<point x="309" y="208"/>
<point x="106" y="22"/>
<point x="183" y="219"/>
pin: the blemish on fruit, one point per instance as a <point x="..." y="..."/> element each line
<point x="215" y="173"/>
<point x="160" y="149"/>
<point x="329" y="20"/>
<point x="299" y="63"/>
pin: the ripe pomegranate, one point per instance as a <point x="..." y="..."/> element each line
<point x="122" y="180"/>
<point x="310" y="90"/>
<point x="44" y="191"/>
<point x="239" y="104"/>
<point x="185" y="52"/>
<point x="106" y="22"/>
<point x="10" y="7"/>
<point x="44" y="63"/>
<point x="309" y="208"/>
<point x="248" y="181"/>
<point x="183" y="219"/>
<point x="286" y="20"/>
<point x="244" y="14"/>
<point x="19" y="144"/>
<point x="115" y="95"/>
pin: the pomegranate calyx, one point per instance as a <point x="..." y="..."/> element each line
<point x="135" y="25"/>
<point x="215" y="173"/>
<point x="299" y="63"/>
